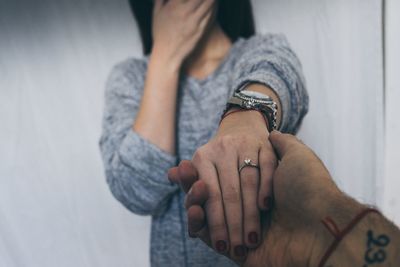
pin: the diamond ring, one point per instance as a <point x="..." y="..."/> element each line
<point x="247" y="163"/>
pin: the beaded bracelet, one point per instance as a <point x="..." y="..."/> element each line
<point x="339" y="234"/>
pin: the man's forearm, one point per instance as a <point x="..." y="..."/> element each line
<point x="373" y="241"/>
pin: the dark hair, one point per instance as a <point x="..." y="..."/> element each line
<point x="234" y="16"/>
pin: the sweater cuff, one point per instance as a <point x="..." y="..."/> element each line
<point x="274" y="82"/>
<point x="146" y="158"/>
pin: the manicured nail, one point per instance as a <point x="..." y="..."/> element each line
<point x="221" y="246"/>
<point x="268" y="203"/>
<point x="253" y="238"/>
<point x="240" y="251"/>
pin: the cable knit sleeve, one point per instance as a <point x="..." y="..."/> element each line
<point x="136" y="170"/>
<point x="268" y="59"/>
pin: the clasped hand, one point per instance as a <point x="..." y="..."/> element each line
<point x="234" y="199"/>
<point x="292" y="234"/>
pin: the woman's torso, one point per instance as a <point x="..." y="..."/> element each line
<point x="200" y="105"/>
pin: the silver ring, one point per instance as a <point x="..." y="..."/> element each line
<point x="247" y="163"/>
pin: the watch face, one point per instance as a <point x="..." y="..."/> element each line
<point x="249" y="103"/>
<point x="256" y="101"/>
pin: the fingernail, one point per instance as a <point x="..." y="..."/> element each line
<point x="221" y="246"/>
<point x="268" y="203"/>
<point x="253" y="238"/>
<point x="240" y="251"/>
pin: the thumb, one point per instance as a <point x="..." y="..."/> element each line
<point x="282" y="143"/>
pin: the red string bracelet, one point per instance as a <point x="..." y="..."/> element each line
<point x="339" y="235"/>
<point x="241" y="110"/>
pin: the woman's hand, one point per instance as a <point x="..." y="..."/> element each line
<point x="178" y="25"/>
<point x="235" y="198"/>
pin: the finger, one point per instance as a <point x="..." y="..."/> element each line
<point x="175" y="3"/>
<point x="249" y="181"/>
<point x="192" y="5"/>
<point x="197" y="195"/>
<point x="282" y="142"/>
<point x="231" y="194"/>
<point x="204" y="11"/>
<point x="204" y="22"/>
<point x="196" y="219"/>
<point x="268" y="164"/>
<point x="214" y="208"/>
<point x="157" y="5"/>
<point x="173" y="175"/>
<point x="187" y="174"/>
<point x="197" y="224"/>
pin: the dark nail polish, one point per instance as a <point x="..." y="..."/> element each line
<point x="240" y="251"/>
<point x="253" y="238"/>
<point x="221" y="246"/>
<point x="268" y="203"/>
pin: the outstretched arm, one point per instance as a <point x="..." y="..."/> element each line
<point x="266" y="65"/>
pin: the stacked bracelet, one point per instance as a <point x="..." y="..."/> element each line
<point x="249" y="100"/>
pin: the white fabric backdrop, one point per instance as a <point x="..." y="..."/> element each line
<point x="55" y="207"/>
<point x="390" y="196"/>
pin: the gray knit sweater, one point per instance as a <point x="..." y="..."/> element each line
<point x="136" y="169"/>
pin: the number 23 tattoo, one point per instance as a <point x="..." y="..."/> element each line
<point x="375" y="253"/>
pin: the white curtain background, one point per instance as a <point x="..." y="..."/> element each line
<point x="55" y="206"/>
<point x="391" y="182"/>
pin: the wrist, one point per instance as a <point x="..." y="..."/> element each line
<point x="253" y="117"/>
<point x="341" y="210"/>
<point x="349" y="252"/>
<point x="374" y="241"/>
<point x="162" y="57"/>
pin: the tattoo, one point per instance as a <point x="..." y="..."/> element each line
<point x="375" y="253"/>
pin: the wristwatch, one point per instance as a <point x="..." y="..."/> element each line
<point x="256" y="101"/>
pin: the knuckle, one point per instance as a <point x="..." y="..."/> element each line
<point x="226" y="142"/>
<point x="264" y="143"/>
<point x="213" y="197"/>
<point x="200" y="155"/>
<point x="292" y="139"/>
